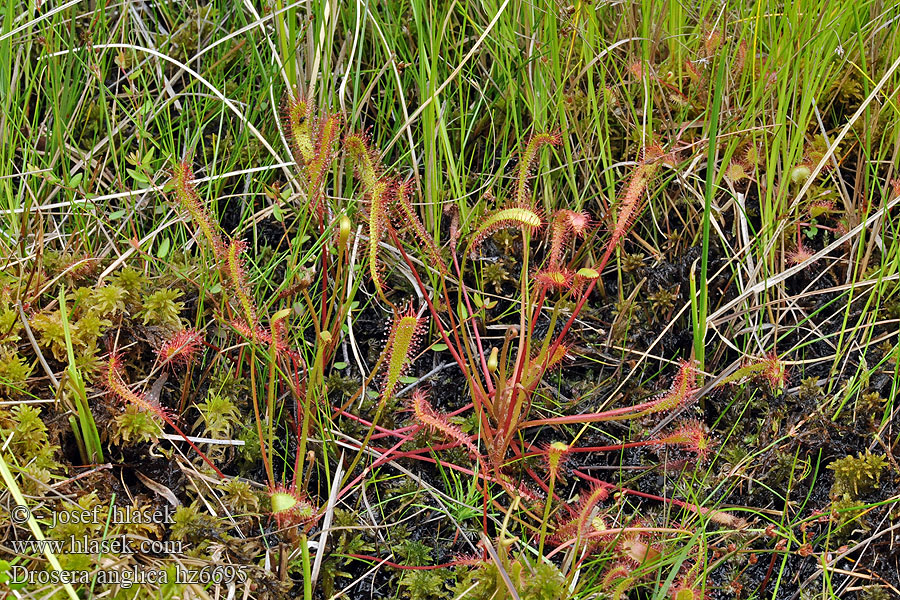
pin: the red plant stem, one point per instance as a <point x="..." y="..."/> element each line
<point x="193" y="445"/>
<point x="402" y="430"/>
<point x="537" y="311"/>
<point x="618" y="531"/>
<point x="537" y="479"/>
<point x="385" y="431"/>
<point x="477" y="392"/>
<point x="185" y="386"/>
<point x="391" y="454"/>
<point x="602" y="265"/>
<point x="685" y="505"/>
<point x="765" y="581"/>
<point x="484" y="511"/>
<point x="412" y="454"/>
<point x="417" y="451"/>
<point x="612" y="448"/>
<point x="465" y="293"/>
<point x="385" y="457"/>
<point x="818" y="225"/>
<point x="442" y="463"/>
<point x="210" y="346"/>
<point x="540" y="482"/>
<point x="579" y="306"/>
<point x="524" y="349"/>
<point x="607" y="415"/>
<point x="406" y="438"/>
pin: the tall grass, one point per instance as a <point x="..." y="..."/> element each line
<point x="97" y="100"/>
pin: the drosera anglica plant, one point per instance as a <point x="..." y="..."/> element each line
<point x="503" y="383"/>
<point x="312" y="138"/>
<point x="237" y="275"/>
<point x="116" y="384"/>
<point x="403" y="338"/>
<point x="769" y="367"/>
<point x="515" y="216"/>
<point x="268" y="331"/>
<point x="527" y="161"/>
<point x="426" y="415"/>
<point x="566" y="225"/>
<point x="188" y="198"/>
<point x="313" y="141"/>
<point x="402" y="342"/>
<point x="503" y="380"/>
<point x="381" y="193"/>
<point x="181" y="348"/>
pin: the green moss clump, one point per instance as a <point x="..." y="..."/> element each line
<point x="542" y="581"/>
<point x="160" y="308"/>
<point x="219" y="415"/>
<point x="251" y="452"/>
<point x="75" y="267"/>
<point x="196" y="527"/>
<point x="809" y="388"/>
<point x="14" y="371"/>
<point x="226" y="384"/>
<point x="871" y="404"/>
<point x="632" y="262"/>
<point x="109" y="300"/>
<point x="220" y="418"/>
<point x="27" y="445"/>
<point x="134" y="426"/>
<point x="85" y="328"/>
<point x="496" y="274"/>
<point x="240" y="496"/>
<point x="132" y="281"/>
<point x="88" y="329"/>
<point x="874" y="592"/>
<point x="662" y="301"/>
<point x="413" y="553"/>
<point x="50" y="332"/>
<point x="341" y="386"/>
<point x="508" y="242"/>
<point x="349" y="538"/>
<point x="787" y="467"/>
<point x="423" y="585"/>
<point x="855" y="476"/>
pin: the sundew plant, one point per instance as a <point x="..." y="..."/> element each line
<point x="449" y="300"/>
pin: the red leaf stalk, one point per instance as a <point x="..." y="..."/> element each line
<point x="117" y="386"/>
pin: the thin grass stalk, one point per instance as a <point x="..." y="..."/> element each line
<point x="264" y="451"/>
<point x="709" y="192"/>
<point x="89" y="435"/>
